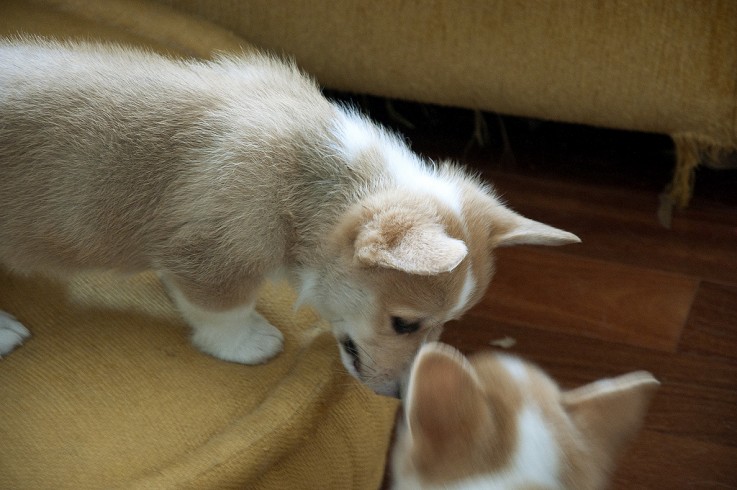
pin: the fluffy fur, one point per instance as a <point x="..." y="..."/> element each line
<point x="494" y="421"/>
<point x="219" y="174"/>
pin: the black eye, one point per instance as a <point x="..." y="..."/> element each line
<point x="402" y="326"/>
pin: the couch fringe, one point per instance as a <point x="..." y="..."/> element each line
<point x="691" y="151"/>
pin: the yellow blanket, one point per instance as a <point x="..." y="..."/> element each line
<point x="109" y="392"/>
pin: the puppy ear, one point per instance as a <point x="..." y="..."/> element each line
<point x="510" y="228"/>
<point x="610" y="412"/>
<point x="445" y="407"/>
<point x="396" y="239"/>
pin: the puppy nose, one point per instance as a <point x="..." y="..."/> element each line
<point x="352" y="350"/>
<point x="390" y="389"/>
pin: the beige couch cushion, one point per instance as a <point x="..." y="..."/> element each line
<point x="667" y="67"/>
<point x="661" y="66"/>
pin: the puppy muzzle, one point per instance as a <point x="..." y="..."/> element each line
<point x="352" y="360"/>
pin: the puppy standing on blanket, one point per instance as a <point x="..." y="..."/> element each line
<point x="220" y="174"/>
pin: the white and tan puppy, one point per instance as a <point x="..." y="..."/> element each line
<point x="219" y="174"/>
<point x="494" y="421"/>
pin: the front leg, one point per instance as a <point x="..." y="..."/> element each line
<point x="237" y="333"/>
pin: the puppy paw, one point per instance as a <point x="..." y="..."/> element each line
<point x="260" y="345"/>
<point x="254" y="341"/>
<point x="12" y="333"/>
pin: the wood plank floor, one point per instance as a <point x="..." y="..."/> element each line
<point x="633" y="295"/>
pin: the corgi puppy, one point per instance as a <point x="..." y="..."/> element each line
<point x="494" y="421"/>
<point x="221" y="174"/>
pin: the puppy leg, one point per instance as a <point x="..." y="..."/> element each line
<point x="12" y="333"/>
<point x="239" y="334"/>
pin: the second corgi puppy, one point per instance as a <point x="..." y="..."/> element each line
<point x="495" y="421"/>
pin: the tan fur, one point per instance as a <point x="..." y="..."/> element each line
<point x="463" y="417"/>
<point x="220" y="174"/>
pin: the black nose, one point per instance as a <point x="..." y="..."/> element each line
<point x="352" y="350"/>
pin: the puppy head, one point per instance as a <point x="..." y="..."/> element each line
<point x="407" y="263"/>
<point x="412" y="253"/>
<point x="495" y="421"/>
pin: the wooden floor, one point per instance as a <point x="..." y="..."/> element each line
<point x="633" y="295"/>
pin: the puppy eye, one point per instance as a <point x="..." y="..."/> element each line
<point x="402" y="326"/>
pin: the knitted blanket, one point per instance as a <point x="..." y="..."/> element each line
<point x="109" y="392"/>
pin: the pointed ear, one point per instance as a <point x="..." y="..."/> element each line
<point x="395" y="239"/>
<point x="510" y="228"/>
<point x="611" y="411"/>
<point x="445" y="405"/>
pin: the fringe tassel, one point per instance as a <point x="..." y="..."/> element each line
<point x="691" y="151"/>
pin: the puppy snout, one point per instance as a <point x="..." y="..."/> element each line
<point x="396" y="392"/>
<point x="352" y="350"/>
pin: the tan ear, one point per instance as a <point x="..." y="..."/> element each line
<point x="510" y="228"/>
<point x="610" y="412"/>
<point x="396" y="240"/>
<point x="445" y="405"/>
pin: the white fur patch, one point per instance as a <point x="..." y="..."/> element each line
<point x="306" y="287"/>
<point x="357" y="134"/>
<point x="12" y="333"/>
<point x="515" y="367"/>
<point x="412" y="174"/>
<point x="469" y="285"/>
<point x="537" y="460"/>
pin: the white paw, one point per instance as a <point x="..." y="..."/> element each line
<point x="12" y="333"/>
<point x="252" y="340"/>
